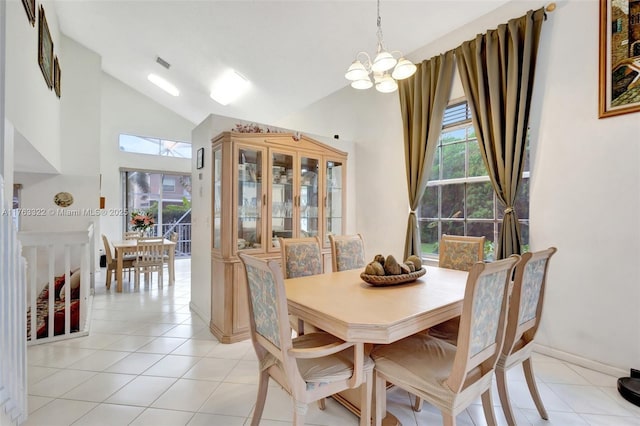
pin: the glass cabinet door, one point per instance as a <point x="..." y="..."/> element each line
<point x="334" y="181"/>
<point x="282" y="197"/>
<point x="217" y="197"/>
<point x="309" y="197"/>
<point x="249" y="201"/>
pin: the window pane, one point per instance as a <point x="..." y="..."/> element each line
<point x="453" y="161"/>
<point x="429" y="236"/>
<point x="130" y="143"/>
<point x="524" y="233"/>
<point x="522" y="200"/>
<point x="476" y="163"/>
<point x="176" y="149"/>
<point x="450" y="227"/>
<point x="453" y="201"/>
<point x="435" y="168"/>
<point x="451" y="136"/>
<point x="480" y="200"/>
<point x="486" y="229"/>
<point x="429" y="203"/>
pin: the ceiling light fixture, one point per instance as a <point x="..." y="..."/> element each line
<point x="164" y="84"/>
<point x="364" y="73"/>
<point x="229" y="87"/>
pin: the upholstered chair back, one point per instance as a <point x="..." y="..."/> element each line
<point x="460" y="252"/>
<point x="347" y="252"/>
<point x="483" y="322"/>
<point x="301" y="257"/>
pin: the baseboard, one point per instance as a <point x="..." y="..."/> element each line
<point x="206" y="318"/>
<point x="582" y="362"/>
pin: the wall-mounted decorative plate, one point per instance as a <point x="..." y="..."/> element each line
<point x="63" y="199"/>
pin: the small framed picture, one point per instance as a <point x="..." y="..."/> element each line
<point x="30" y="8"/>
<point x="45" y="48"/>
<point x="56" y="76"/>
<point x="200" y="159"/>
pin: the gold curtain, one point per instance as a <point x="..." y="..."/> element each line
<point x="497" y="72"/>
<point x="423" y="99"/>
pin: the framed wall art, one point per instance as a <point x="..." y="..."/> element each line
<point x="30" y="8"/>
<point x="45" y="48"/>
<point x="56" y="76"/>
<point x="200" y="159"/>
<point x="619" y="57"/>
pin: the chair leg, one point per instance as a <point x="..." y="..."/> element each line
<point x="108" y="278"/>
<point x="299" y="413"/>
<point x="417" y="405"/>
<point x="380" y="395"/>
<point x="487" y="406"/>
<point x="533" y="388"/>
<point x="503" y="393"/>
<point x="263" y="386"/>
<point x="366" y="390"/>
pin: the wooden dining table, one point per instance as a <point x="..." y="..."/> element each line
<point x="342" y="304"/>
<point x="131" y="246"/>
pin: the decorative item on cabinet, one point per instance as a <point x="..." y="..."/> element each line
<point x="266" y="186"/>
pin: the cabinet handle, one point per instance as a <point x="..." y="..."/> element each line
<point x="264" y="200"/>
<point x="325" y="201"/>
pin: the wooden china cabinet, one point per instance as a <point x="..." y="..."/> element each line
<point x="265" y="186"/>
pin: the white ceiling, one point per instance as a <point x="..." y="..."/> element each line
<point x="294" y="52"/>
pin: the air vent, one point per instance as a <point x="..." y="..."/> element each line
<point x="162" y="62"/>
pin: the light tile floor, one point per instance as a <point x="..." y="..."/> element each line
<point x="150" y="361"/>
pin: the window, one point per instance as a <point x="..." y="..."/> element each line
<point x="153" y="146"/>
<point x="459" y="198"/>
<point x="168" y="184"/>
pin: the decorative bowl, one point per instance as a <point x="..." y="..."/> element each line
<point x="382" y="280"/>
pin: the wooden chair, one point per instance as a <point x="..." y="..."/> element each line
<point x="347" y="252"/>
<point x="451" y="377"/>
<point x="150" y="259"/>
<point x="525" y="309"/>
<point x="127" y="262"/>
<point x="132" y="235"/>
<point x="309" y="367"/>
<point x="301" y="257"/>
<point x="460" y="252"/>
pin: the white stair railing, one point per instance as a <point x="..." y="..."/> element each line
<point x="13" y="304"/>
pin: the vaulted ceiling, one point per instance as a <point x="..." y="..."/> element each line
<point x="293" y="52"/>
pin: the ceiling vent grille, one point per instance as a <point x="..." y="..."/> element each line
<point x="162" y="62"/>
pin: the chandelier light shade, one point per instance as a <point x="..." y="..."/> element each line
<point x="383" y="71"/>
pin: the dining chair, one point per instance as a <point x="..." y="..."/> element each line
<point x="112" y="263"/>
<point x="450" y="376"/>
<point x="301" y="257"/>
<point x="525" y="310"/>
<point x="347" y="252"/>
<point x="132" y="235"/>
<point x="460" y="252"/>
<point x="150" y="252"/>
<point x="309" y="367"/>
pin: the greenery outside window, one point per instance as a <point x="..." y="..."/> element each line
<point x="459" y="198"/>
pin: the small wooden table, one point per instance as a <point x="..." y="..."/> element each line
<point x="130" y="246"/>
<point x="342" y="304"/>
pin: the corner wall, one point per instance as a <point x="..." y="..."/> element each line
<point x="585" y="183"/>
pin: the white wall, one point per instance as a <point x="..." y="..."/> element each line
<point x="31" y="106"/>
<point x="124" y="110"/>
<point x="585" y="184"/>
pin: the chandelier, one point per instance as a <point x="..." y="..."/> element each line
<point x="383" y="71"/>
